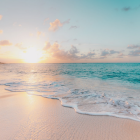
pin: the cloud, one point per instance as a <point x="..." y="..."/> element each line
<point x="46" y="19"/>
<point x="113" y="52"/>
<point x="136" y="49"/>
<point x="121" y="55"/>
<point x="73" y="27"/>
<point x="68" y="55"/>
<point x="20" y="46"/>
<point x="89" y="55"/>
<point x="73" y="50"/>
<point x="126" y="9"/>
<point x="1" y="31"/>
<point x="105" y="52"/>
<point x="0" y="17"/>
<point x="133" y="47"/>
<point x="57" y="24"/>
<point x="72" y="54"/>
<point x="135" y="53"/>
<point x="47" y="45"/>
<point x="5" y="43"/>
<point x="66" y="22"/>
<point x="108" y="52"/>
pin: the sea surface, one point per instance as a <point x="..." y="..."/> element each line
<point x="90" y="88"/>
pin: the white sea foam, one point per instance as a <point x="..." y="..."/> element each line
<point x="75" y="107"/>
<point x="85" y="99"/>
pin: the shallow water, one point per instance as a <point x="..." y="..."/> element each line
<point x="96" y="89"/>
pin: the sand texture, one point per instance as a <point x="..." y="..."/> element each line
<point x="29" y="117"/>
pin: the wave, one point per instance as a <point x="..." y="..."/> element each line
<point x="89" y="101"/>
<point x="77" y="110"/>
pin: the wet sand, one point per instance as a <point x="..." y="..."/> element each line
<point x="30" y="117"/>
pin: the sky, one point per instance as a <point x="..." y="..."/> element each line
<point x="69" y="31"/>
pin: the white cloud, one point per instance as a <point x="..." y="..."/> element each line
<point x="72" y="54"/>
<point x="57" y="24"/>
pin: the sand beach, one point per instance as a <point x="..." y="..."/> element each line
<point x="30" y="117"/>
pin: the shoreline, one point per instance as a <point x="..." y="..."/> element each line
<point x="24" y="116"/>
<point x="77" y="110"/>
<point x="75" y="107"/>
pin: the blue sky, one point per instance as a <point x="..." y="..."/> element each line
<point x="70" y="30"/>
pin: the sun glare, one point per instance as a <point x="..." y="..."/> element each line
<point x="32" y="55"/>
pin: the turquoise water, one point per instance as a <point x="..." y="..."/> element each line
<point x="97" y="89"/>
<point x="125" y="72"/>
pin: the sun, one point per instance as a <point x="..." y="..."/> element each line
<point x="32" y="55"/>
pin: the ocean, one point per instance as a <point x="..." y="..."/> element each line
<point x="111" y="89"/>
